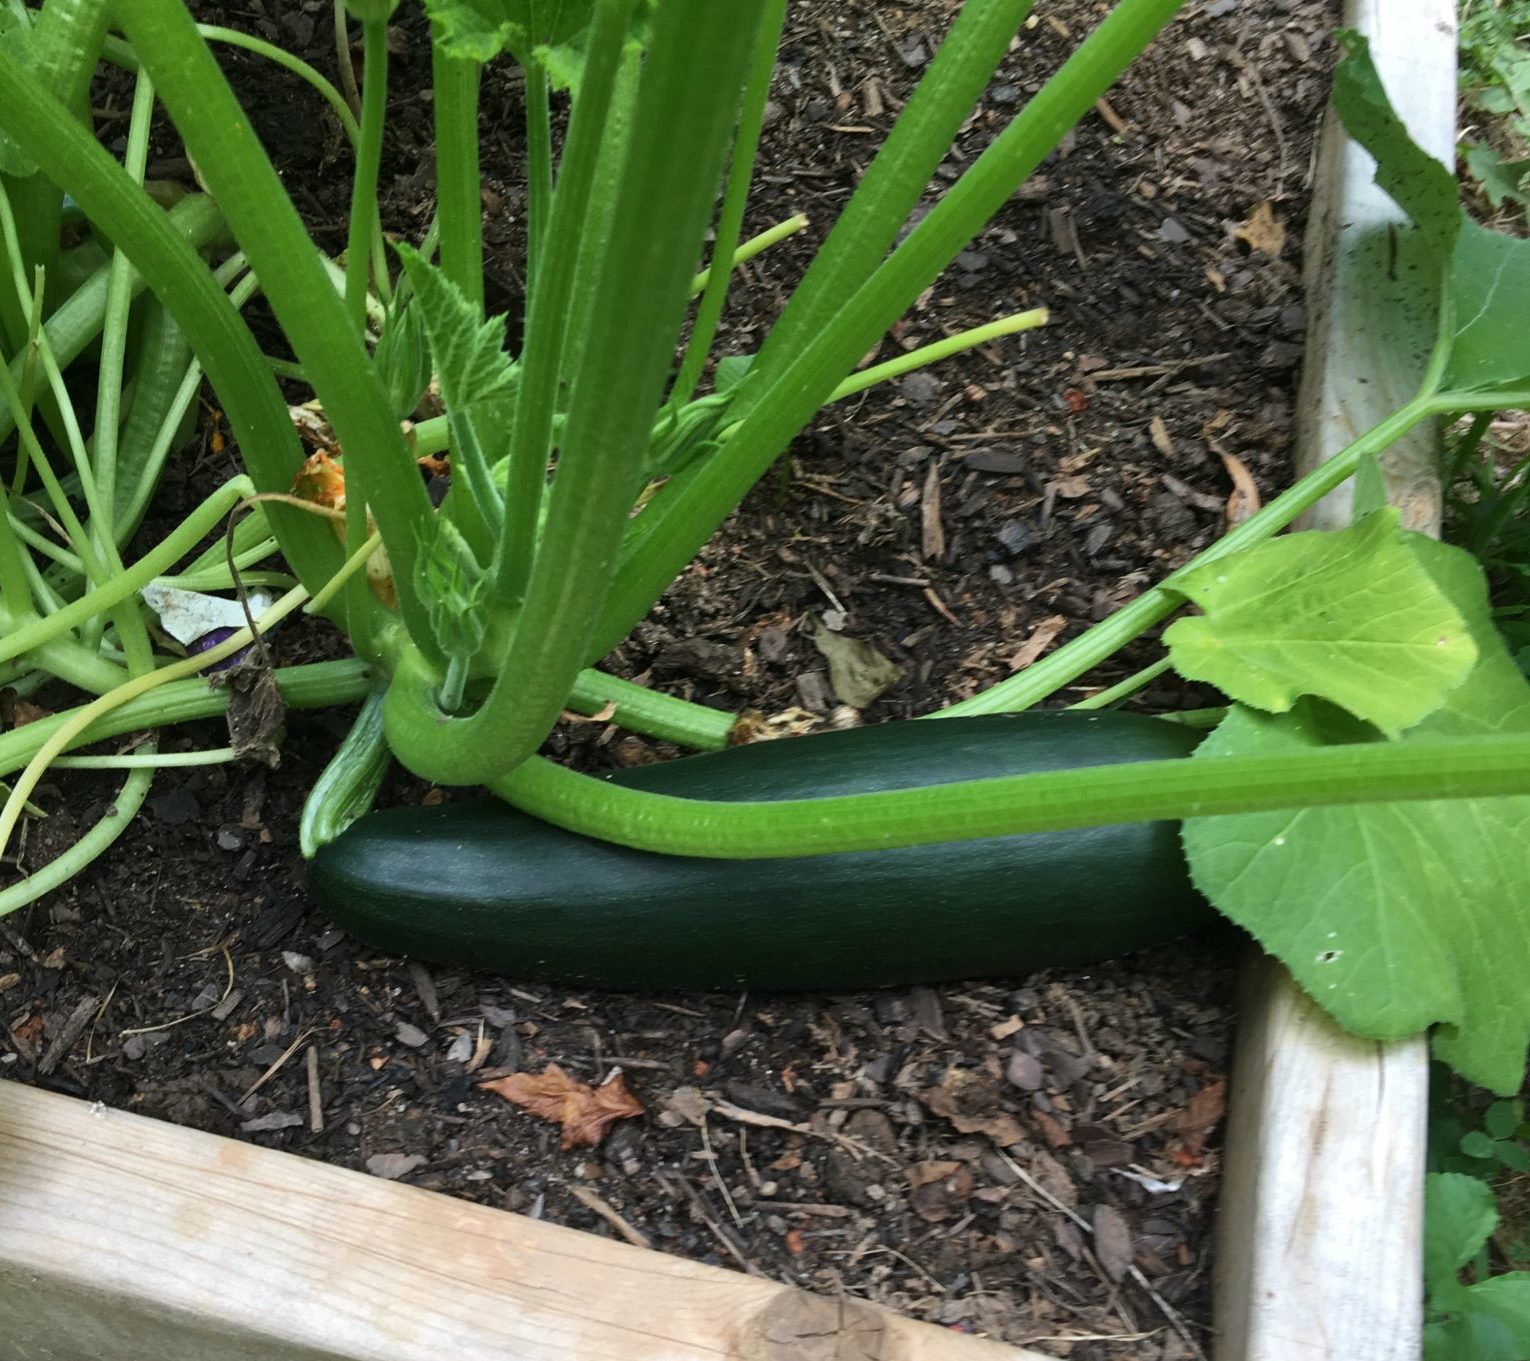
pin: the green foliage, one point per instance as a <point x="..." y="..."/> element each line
<point x="402" y="356"/>
<point x="453" y="584"/>
<point x="1349" y="616"/>
<point x="1485" y="275"/>
<point x="1479" y="1321"/>
<point x="1495" y="79"/>
<point x="1395" y="917"/>
<point x="468" y="353"/>
<point x="550" y="34"/>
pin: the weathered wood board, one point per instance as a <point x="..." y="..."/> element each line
<point x="1320" y="1228"/>
<point x="127" y="1239"/>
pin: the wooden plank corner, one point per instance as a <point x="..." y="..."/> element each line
<point x="128" y="1239"/>
<point x="1320" y="1224"/>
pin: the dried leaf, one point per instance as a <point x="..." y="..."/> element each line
<point x="1112" y="1241"/>
<point x="1263" y="231"/>
<point x="972" y="1105"/>
<point x="257" y="714"/>
<point x="1244" y="500"/>
<point x="392" y="1166"/>
<point x="937" y="1190"/>
<point x="1201" y="1115"/>
<point x="1158" y="432"/>
<point x="857" y="671"/>
<point x="583" y="1111"/>
<point x="1042" y="637"/>
<point x="321" y="481"/>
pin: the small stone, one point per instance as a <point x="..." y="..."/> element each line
<point x="409" y="1034"/>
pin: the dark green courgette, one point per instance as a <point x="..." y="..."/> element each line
<point x="483" y="885"/>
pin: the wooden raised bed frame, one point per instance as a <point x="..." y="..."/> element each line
<point x="128" y="1239"/>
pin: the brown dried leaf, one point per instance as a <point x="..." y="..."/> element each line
<point x="321" y="481"/>
<point x="1263" y="231"/>
<point x="1042" y="637"/>
<point x="257" y="713"/>
<point x="583" y="1111"/>
<point x="1200" y="1116"/>
<point x="1244" y="500"/>
<point x="937" y="1190"/>
<point x="971" y="1104"/>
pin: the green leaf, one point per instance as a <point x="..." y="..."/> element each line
<point x="1502" y="181"/>
<point x="1459" y="1214"/>
<point x="1490" y="295"/>
<point x="1513" y="1156"/>
<point x="1501" y="1119"/>
<point x="1419" y="184"/>
<point x="1506" y="1299"/>
<point x="403" y="358"/>
<point x="1348" y="616"/>
<point x="1394" y="916"/>
<point x="453" y="586"/>
<point x="731" y="371"/>
<point x="1472" y="1337"/>
<point x="469" y="355"/>
<point x="1476" y="1144"/>
<point x="482" y="29"/>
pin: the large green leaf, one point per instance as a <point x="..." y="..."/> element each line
<point x="1394" y="916"/>
<point x="1420" y="185"/>
<point x="544" y="32"/>
<point x="1348" y="616"/>
<point x="1490" y="295"/>
<point x="1487" y="274"/>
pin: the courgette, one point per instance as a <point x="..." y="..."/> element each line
<point x="484" y="885"/>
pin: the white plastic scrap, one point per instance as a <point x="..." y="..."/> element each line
<point x="189" y="615"/>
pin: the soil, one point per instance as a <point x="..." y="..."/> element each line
<point x="1033" y="1159"/>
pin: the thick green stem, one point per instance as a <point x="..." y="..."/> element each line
<point x="898" y="176"/>
<point x="647" y="711"/>
<point x="317" y="685"/>
<point x="374" y="109"/>
<point x="122" y="585"/>
<point x="1072" y="660"/>
<point x="539" y="172"/>
<point x="730" y="221"/>
<point x="668" y="186"/>
<point x="114" y="331"/>
<point x="775" y="405"/>
<point x="294" y="280"/>
<point x="459" y="206"/>
<point x="1051" y="801"/>
<point x="547" y="323"/>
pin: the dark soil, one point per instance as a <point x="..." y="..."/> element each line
<point x="1034" y="1159"/>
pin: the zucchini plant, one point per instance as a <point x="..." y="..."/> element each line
<point x="1364" y="681"/>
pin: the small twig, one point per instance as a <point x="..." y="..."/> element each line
<point x="711" y="1157"/>
<point x="315" y="1096"/>
<point x="71" y="1030"/>
<point x="276" y="1067"/>
<point x="591" y="1201"/>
